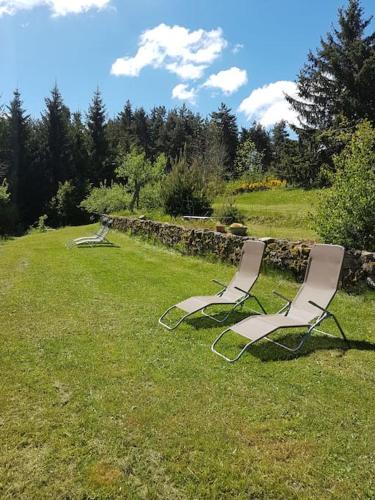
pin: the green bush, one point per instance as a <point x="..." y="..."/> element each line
<point x="64" y="206"/>
<point x="346" y="212"/>
<point x="106" y="199"/>
<point x="184" y="191"/>
<point x="8" y="215"/>
<point x="150" y="197"/>
<point x="228" y="213"/>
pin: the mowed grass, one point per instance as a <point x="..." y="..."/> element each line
<point x="98" y="401"/>
<point x="279" y="213"/>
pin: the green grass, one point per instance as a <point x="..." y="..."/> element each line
<point x="278" y="213"/>
<point x="98" y="401"/>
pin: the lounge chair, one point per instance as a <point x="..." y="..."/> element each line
<point x="234" y="294"/>
<point x="308" y="309"/>
<point x="100" y="237"/>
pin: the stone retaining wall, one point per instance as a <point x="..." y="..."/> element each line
<point x="359" y="266"/>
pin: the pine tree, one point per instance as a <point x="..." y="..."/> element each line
<point x="56" y="121"/>
<point x="101" y="168"/>
<point x="125" y="128"/>
<point x="338" y="81"/>
<point x="17" y="136"/>
<point x="227" y="124"/>
<point x="141" y="130"/>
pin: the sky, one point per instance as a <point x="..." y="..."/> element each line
<point x="245" y="53"/>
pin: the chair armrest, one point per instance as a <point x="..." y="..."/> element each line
<point x="318" y="306"/>
<point x="219" y="283"/>
<point x="243" y="291"/>
<point x="281" y="296"/>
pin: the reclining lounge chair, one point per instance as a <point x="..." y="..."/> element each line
<point x="100" y="237"/>
<point x="234" y="294"/>
<point x="307" y="310"/>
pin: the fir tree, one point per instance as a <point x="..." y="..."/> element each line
<point x="58" y="154"/>
<point x="101" y="168"/>
<point x="338" y="81"/>
<point x="227" y="124"/>
<point x="17" y="135"/>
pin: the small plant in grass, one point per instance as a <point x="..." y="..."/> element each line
<point x="229" y="213"/>
<point x="40" y="225"/>
<point x="346" y="213"/>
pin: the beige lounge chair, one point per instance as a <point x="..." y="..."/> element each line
<point x="307" y="310"/>
<point x="234" y="294"/>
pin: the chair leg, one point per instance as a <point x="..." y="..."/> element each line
<point x="230" y="360"/>
<point x="259" y="304"/>
<point x="173" y="327"/>
<point x="339" y="328"/>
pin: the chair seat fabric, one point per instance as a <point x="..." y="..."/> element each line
<point x="197" y="303"/>
<point x="257" y="327"/>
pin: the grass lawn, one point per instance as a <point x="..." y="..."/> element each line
<point x="278" y="213"/>
<point x="98" y="401"/>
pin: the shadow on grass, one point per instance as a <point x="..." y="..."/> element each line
<point x="266" y="351"/>
<point x="99" y="245"/>
<point x="200" y="321"/>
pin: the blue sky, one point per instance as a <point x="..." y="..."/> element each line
<point x="188" y="46"/>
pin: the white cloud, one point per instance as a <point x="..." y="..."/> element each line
<point x="175" y="48"/>
<point x="228" y="80"/>
<point x="268" y="105"/>
<point x="58" y="7"/>
<point x="237" y="48"/>
<point x="183" y="93"/>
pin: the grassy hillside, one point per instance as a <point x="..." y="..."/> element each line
<point x="282" y="213"/>
<point x="98" y="401"/>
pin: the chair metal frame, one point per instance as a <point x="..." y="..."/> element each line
<point x="238" y="303"/>
<point x="326" y="314"/>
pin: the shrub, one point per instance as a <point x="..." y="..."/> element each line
<point x="184" y="191"/>
<point x="8" y="214"/>
<point x="228" y="213"/>
<point x="106" y="199"/>
<point x="150" y="197"/>
<point x="64" y="206"/>
<point x="249" y="187"/>
<point x="346" y="212"/>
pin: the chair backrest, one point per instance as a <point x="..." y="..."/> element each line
<point x="249" y="267"/>
<point x="321" y="281"/>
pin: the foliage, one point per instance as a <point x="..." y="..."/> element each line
<point x="64" y="206"/>
<point x="228" y="213"/>
<point x="41" y="224"/>
<point x="335" y="92"/>
<point x="260" y="137"/>
<point x="184" y="191"/>
<point x="248" y="160"/>
<point x="346" y="213"/>
<point x="259" y="186"/>
<point x="98" y="149"/>
<point x="137" y="171"/>
<point x="7" y="210"/>
<point x="106" y="199"/>
<point x="226" y="123"/>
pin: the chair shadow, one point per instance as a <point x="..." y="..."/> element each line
<point x="99" y="245"/>
<point x="201" y="321"/>
<point x="266" y="351"/>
